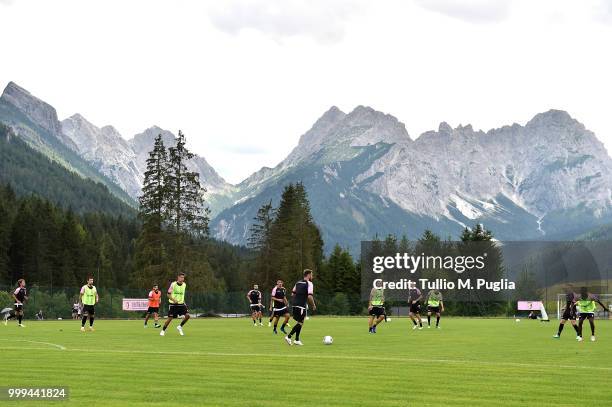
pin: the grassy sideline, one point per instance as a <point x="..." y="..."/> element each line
<point x="228" y="362"/>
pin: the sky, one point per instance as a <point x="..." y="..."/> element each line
<point x="244" y="79"/>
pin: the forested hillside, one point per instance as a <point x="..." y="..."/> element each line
<point x="30" y="172"/>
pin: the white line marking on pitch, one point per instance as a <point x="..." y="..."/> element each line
<point x="341" y="357"/>
<point x="60" y="347"/>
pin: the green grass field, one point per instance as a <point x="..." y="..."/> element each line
<point x="228" y="362"/>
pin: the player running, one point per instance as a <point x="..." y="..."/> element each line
<point x="89" y="298"/>
<point x="176" y="298"/>
<point x="254" y="296"/>
<point x="569" y="314"/>
<point x="302" y="296"/>
<point x="279" y="306"/>
<point x="586" y="305"/>
<point x="154" y="301"/>
<point x="19" y="296"/>
<point x="434" y="305"/>
<point x="376" y="308"/>
<point x="414" y="298"/>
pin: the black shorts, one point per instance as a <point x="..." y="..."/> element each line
<point x="569" y="314"/>
<point x="299" y="314"/>
<point x="152" y="310"/>
<point x="280" y="312"/>
<point x="176" y="310"/>
<point x="18" y="307"/>
<point x="255" y="308"/>
<point x="415" y="308"/>
<point x="585" y="315"/>
<point x="89" y="309"/>
<point x="433" y="309"/>
<point x="377" y="311"/>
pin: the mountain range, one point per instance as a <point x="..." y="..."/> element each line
<point x="365" y="176"/>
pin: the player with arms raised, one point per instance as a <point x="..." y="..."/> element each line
<point x="178" y="308"/>
<point x="302" y="293"/>
<point x="586" y="304"/>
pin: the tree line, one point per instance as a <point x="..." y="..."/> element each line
<point x="31" y="172"/>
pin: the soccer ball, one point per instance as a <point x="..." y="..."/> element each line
<point x="328" y="340"/>
<point x="518" y="320"/>
<point x="388" y="319"/>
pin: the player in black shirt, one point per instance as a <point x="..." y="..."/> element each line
<point x="20" y="296"/>
<point x="254" y="297"/>
<point x="302" y="295"/>
<point x="280" y="306"/>
<point x="414" y="300"/>
<point x="569" y="314"/>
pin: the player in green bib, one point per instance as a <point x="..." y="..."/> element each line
<point x="434" y="305"/>
<point x="88" y="297"/>
<point x="178" y="308"/>
<point x="376" y="308"/>
<point x="586" y="306"/>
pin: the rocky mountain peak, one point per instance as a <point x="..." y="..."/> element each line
<point x="36" y="110"/>
<point x="553" y="117"/>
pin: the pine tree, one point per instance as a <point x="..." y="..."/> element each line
<point x="404" y="245"/>
<point x="186" y="211"/>
<point x="295" y="240"/>
<point x="259" y="240"/>
<point x="476" y="242"/>
<point x="154" y="198"/>
<point x="187" y="216"/>
<point x="259" y="231"/>
<point x="153" y="211"/>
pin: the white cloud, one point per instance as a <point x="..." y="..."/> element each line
<point x="473" y="11"/>
<point x="6" y="2"/>
<point x="323" y="21"/>
<point x="602" y="11"/>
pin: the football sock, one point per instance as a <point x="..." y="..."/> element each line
<point x="297" y="332"/>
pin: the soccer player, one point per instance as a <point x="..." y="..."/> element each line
<point x="75" y="311"/>
<point x="434" y="305"/>
<point x="302" y="295"/>
<point x="414" y="298"/>
<point x="154" y="300"/>
<point x="20" y="296"/>
<point x="586" y="304"/>
<point x="376" y="308"/>
<point x="569" y="314"/>
<point x="176" y="297"/>
<point x="254" y="297"/>
<point x="279" y="306"/>
<point x="89" y="298"/>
